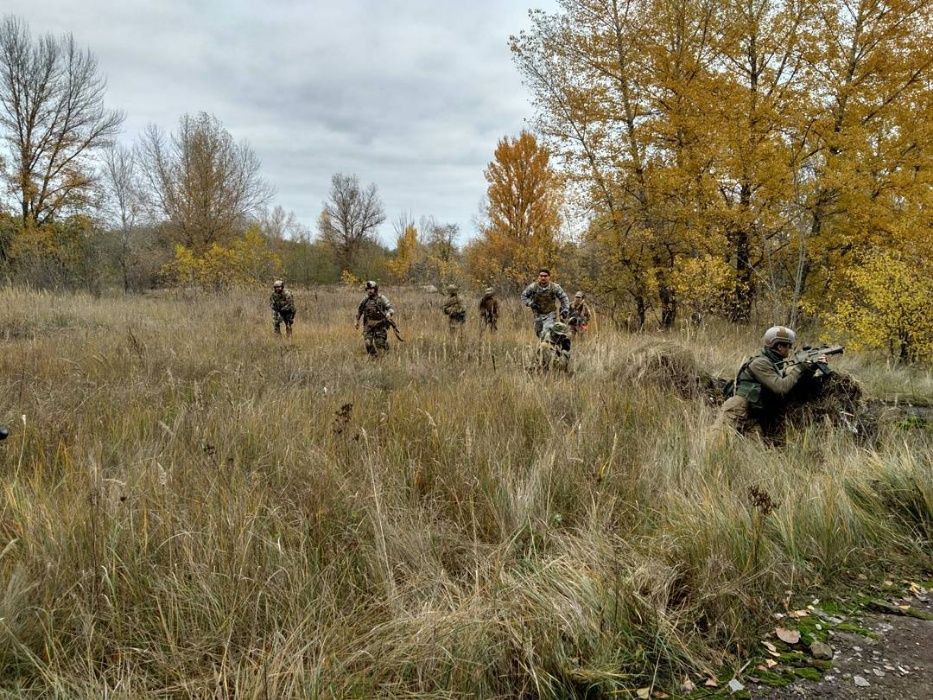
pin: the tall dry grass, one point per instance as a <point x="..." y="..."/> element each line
<point x="191" y="507"/>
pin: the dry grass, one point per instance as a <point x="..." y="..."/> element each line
<point x="190" y="507"/>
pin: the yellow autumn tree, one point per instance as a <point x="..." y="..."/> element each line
<point x="407" y="254"/>
<point x="785" y="138"/>
<point x="887" y="304"/>
<point x="522" y="214"/>
<point x="247" y="260"/>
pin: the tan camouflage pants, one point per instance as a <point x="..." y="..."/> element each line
<point x="376" y="339"/>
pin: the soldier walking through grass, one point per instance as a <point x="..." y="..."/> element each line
<point x="489" y="310"/>
<point x="545" y="298"/>
<point x="580" y="314"/>
<point x="376" y="313"/>
<point x="283" y="308"/>
<point x="454" y="310"/>
<point x="763" y="384"/>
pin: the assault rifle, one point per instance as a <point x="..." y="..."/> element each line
<point x="808" y="355"/>
<point x="394" y="326"/>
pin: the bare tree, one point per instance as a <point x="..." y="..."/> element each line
<point x="441" y="239"/>
<point x="120" y="180"/>
<point x="52" y="118"/>
<point x="278" y="224"/>
<point x="202" y="183"/>
<point x="350" y="218"/>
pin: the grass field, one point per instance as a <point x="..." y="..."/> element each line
<point x="191" y="506"/>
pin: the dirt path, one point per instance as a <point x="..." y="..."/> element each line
<point x="895" y="665"/>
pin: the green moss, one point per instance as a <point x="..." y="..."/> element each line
<point x="773" y="679"/>
<point x="807" y="672"/>
<point x="809" y="632"/>
<point x="855" y="629"/>
<point x="793" y="657"/>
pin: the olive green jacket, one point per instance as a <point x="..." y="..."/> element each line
<point x="764" y="383"/>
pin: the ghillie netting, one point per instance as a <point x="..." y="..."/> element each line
<point x="836" y="398"/>
<point x="666" y="364"/>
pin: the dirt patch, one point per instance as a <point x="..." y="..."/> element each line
<point x="896" y="661"/>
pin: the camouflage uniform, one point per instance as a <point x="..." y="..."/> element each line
<point x="454" y="310"/>
<point x="283" y="310"/>
<point x="541" y="300"/>
<point x="580" y="315"/>
<point x="553" y="352"/>
<point x="375" y="312"/>
<point x="761" y="390"/>
<point x="489" y="311"/>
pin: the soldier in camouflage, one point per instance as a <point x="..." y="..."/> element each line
<point x="763" y="384"/>
<point x="375" y="311"/>
<point x="489" y="310"/>
<point x="454" y="310"/>
<point x="283" y="308"/>
<point x="553" y="351"/>
<point x="541" y="296"/>
<point x="580" y="314"/>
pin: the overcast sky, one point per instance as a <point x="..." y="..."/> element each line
<point x="410" y="94"/>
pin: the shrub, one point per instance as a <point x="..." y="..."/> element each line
<point x="887" y="304"/>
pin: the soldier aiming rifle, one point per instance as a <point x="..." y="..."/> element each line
<point x="764" y="383"/>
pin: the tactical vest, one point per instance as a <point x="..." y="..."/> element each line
<point x="282" y="302"/>
<point x="758" y="396"/>
<point x="373" y="311"/>
<point x="542" y="298"/>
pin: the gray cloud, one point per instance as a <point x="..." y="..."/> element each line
<point x="410" y="95"/>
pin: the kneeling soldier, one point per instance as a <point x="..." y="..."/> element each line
<point x="763" y="384"/>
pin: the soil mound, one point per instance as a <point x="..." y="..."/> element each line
<point x="671" y="366"/>
<point x="837" y="398"/>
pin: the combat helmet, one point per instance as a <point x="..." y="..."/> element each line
<point x="778" y="334"/>
<point x="452" y="289"/>
<point x="579" y="295"/>
<point x="372" y="285"/>
<point x="489" y="291"/>
<point x="560" y="328"/>
<point x="278" y="284"/>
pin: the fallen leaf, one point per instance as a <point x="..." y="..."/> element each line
<point x="643" y="692"/>
<point x="661" y="694"/>
<point x="800" y="613"/>
<point x="779" y="616"/>
<point x="770" y="663"/>
<point x="769" y="646"/>
<point x="787" y="636"/>
<point x="687" y="685"/>
<point x="904" y="607"/>
<point x="761" y="667"/>
<point x="711" y="683"/>
<point x="735" y="686"/>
